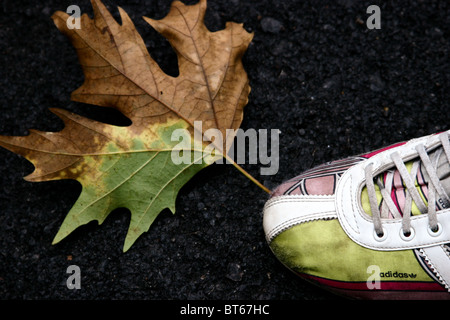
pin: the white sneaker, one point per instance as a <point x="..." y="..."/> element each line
<point x="373" y="226"/>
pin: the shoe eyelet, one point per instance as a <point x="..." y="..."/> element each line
<point x="409" y="236"/>
<point x="380" y="237"/>
<point x="435" y="233"/>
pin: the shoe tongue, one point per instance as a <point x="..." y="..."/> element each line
<point x="440" y="164"/>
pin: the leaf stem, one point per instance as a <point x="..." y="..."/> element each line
<point x="245" y="173"/>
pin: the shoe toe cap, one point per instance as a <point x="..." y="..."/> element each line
<point x="309" y="196"/>
<point x="283" y="212"/>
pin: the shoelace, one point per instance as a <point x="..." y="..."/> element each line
<point x="434" y="188"/>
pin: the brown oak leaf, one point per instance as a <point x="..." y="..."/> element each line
<point x="131" y="166"/>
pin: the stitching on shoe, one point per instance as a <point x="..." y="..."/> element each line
<point x="291" y="223"/>
<point x="295" y="198"/>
